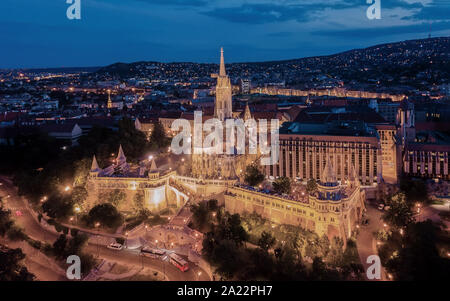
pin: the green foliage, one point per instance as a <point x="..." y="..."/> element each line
<point x="133" y="141"/>
<point x="5" y="220"/>
<point x="399" y="214"/>
<point x="266" y="241"/>
<point x="79" y="195"/>
<point x="158" y="138"/>
<point x="115" y="197"/>
<point x="311" y="186"/>
<point x="74" y="232"/>
<point x="415" y="190"/>
<point x="201" y="216"/>
<point x="11" y="268"/>
<point x="59" y="246"/>
<point x="15" y="233"/>
<point x="82" y="168"/>
<point x="253" y="175"/>
<point x="414" y="256"/>
<point x="58" y="206"/>
<point x="106" y="214"/>
<point x="282" y="185"/>
<point x="138" y="201"/>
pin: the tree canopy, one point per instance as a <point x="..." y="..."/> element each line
<point x="253" y="175"/>
<point x="282" y="185"/>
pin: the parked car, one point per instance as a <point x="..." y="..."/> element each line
<point x="115" y="246"/>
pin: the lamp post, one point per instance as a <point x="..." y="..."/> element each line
<point x="77" y="211"/>
<point x="97" y="225"/>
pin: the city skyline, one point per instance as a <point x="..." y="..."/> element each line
<point x="175" y="31"/>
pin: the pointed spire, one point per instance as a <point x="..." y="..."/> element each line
<point x="353" y="176"/>
<point x="247" y="113"/>
<point x="94" y="166"/>
<point x="121" y="156"/>
<point x="328" y="174"/>
<point x="153" y="167"/>
<point x="109" y="104"/>
<point x="222" y="64"/>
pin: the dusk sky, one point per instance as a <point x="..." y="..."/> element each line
<point x="37" y="33"/>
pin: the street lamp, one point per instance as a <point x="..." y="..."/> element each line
<point x="198" y="275"/>
<point x="77" y="211"/>
<point x="97" y="225"/>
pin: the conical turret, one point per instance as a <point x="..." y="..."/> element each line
<point x="328" y="174"/>
<point x="121" y="156"/>
<point x="153" y="167"/>
<point x="94" y="166"/>
<point x="247" y="113"/>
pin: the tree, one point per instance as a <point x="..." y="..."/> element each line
<point x="5" y="220"/>
<point x="158" y="137"/>
<point x="58" y="206"/>
<point x="266" y="241"/>
<point x="82" y="168"/>
<point x="311" y="186"/>
<point x="115" y="197"/>
<point x="106" y="214"/>
<point x="399" y="213"/>
<point x="59" y="246"/>
<point x="10" y="267"/>
<point x="79" y="195"/>
<point x="282" y="185"/>
<point x="200" y="215"/>
<point x="138" y="201"/>
<point x="133" y="141"/>
<point x="253" y="176"/>
<point x="415" y="190"/>
<point x="417" y="257"/>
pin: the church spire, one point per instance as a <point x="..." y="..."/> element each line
<point x="222" y="64"/>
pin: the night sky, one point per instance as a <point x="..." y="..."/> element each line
<point x="37" y="33"/>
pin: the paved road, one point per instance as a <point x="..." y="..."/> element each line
<point x="128" y="257"/>
<point x="131" y="257"/>
<point x="366" y="242"/>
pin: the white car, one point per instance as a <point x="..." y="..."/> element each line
<point x="115" y="246"/>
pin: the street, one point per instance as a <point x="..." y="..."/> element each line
<point x="126" y="257"/>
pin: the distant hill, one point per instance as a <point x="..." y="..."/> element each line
<point x="414" y="62"/>
<point x="62" y="70"/>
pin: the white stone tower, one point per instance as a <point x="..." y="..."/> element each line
<point x="223" y="108"/>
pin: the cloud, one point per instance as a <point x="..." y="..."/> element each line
<point x="438" y="10"/>
<point x="373" y="32"/>
<point x="194" y="3"/>
<point x="280" y="34"/>
<point x="260" y="13"/>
